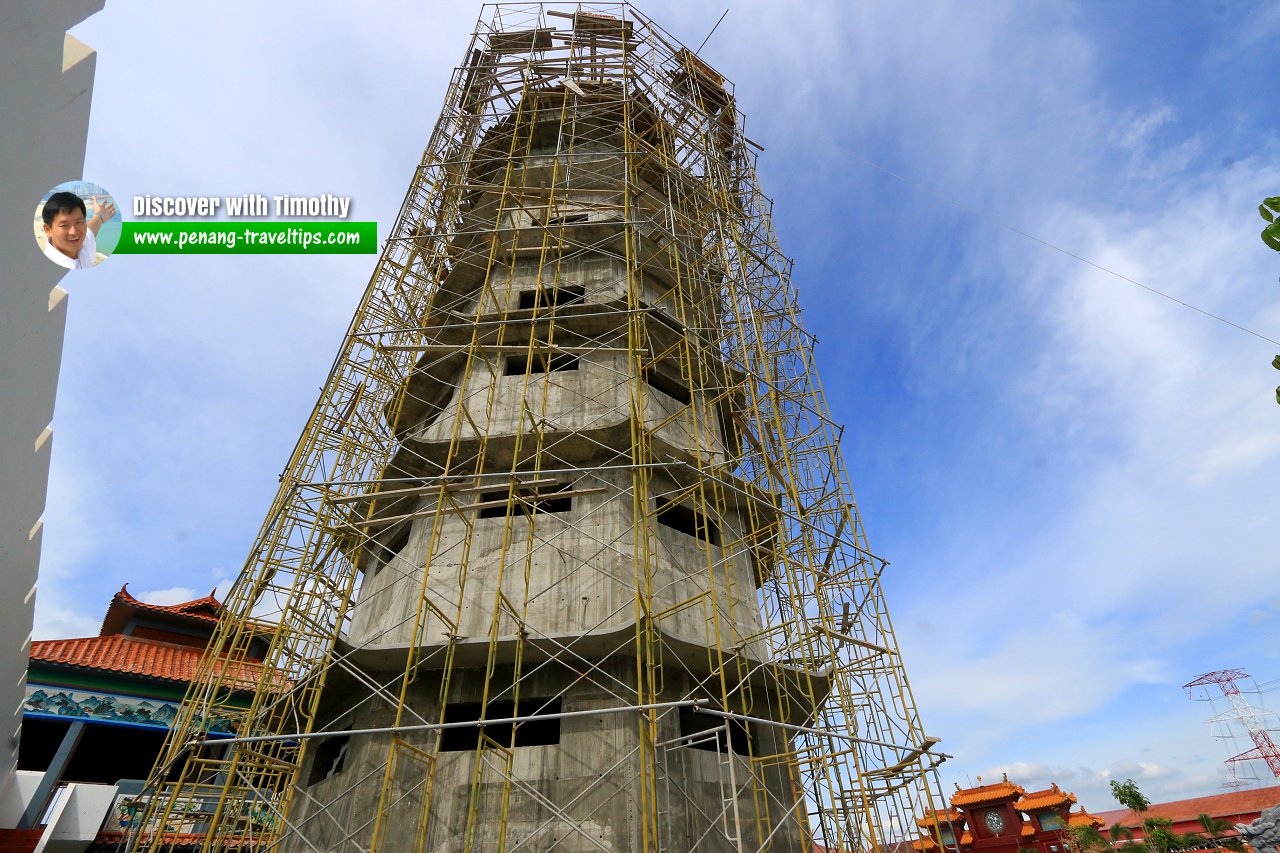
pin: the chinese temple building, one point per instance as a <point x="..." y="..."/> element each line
<point x="1002" y="818"/>
<point x="1233" y="807"/>
<point x="97" y="709"/>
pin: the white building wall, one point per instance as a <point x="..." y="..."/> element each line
<point x="48" y="81"/>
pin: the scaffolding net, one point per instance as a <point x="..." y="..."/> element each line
<point x="566" y="557"/>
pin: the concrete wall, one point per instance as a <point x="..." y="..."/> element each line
<point x="571" y="573"/>
<point x="579" y="794"/>
<point x="45" y="104"/>
<point x="581" y="608"/>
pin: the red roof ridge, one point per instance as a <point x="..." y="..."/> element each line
<point x="124" y="605"/>
<point x="1084" y="817"/>
<point x="182" y="607"/>
<point x="1050" y="797"/>
<point x="1218" y="805"/>
<point x="125" y="637"/>
<point x="986" y="793"/>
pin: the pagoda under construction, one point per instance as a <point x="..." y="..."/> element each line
<point x="566" y="557"/>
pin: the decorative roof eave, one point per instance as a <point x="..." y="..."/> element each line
<point x="69" y="666"/>
<point x="124" y="657"/>
<point x="1083" y="818"/>
<point x="953" y="816"/>
<point x="1052" y="797"/>
<point x="202" y="611"/>
<point x="984" y="794"/>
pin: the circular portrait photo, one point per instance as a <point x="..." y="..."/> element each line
<point x="77" y="225"/>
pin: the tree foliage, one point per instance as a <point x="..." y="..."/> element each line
<point x="1270" y="211"/>
<point x="1275" y="362"/>
<point x="1086" y="839"/>
<point x="1119" y="831"/>
<point x="1214" y="829"/>
<point x="1126" y="793"/>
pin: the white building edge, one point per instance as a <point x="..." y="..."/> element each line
<point x="45" y="104"/>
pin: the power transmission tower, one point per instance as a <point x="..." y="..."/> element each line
<point x="1242" y="714"/>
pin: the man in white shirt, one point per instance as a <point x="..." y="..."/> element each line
<point x="72" y="242"/>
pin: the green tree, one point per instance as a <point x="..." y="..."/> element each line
<point x="1214" y="829"/>
<point x="1160" y="835"/>
<point x="1119" y="831"/>
<point x="1270" y="210"/>
<point x="1126" y="793"/>
<point x="1086" y="839"/>
<point x="1275" y="362"/>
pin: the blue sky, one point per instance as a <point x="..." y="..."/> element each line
<point x="1073" y="478"/>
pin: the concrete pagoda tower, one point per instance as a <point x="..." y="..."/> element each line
<point x="566" y="558"/>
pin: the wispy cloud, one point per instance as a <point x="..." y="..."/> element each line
<point x="1073" y="476"/>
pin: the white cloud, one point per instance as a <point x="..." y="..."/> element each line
<point x="173" y="595"/>
<point x="1135" y="131"/>
<point x="56" y="621"/>
<point x="1091" y="784"/>
<point x="1134" y="440"/>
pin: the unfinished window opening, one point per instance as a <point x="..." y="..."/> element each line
<point x="552" y="297"/>
<point x="568" y="219"/>
<point x="539" y="362"/>
<point x="712" y="733"/>
<point x="530" y="730"/>
<point x="527" y="501"/>
<point x="673" y="388"/>
<point x="385" y="553"/>
<point x="688" y="521"/>
<point x="331" y="757"/>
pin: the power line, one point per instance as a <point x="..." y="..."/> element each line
<point x="989" y="218"/>
<point x="713" y="32"/>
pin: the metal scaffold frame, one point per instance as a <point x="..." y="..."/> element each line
<point x="577" y="143"/>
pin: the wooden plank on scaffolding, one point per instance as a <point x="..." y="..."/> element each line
<point x="845" y="638"/>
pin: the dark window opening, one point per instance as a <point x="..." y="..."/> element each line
<point x="673" y="388"/>
<point x="525" y="501"/>
<point x="539" y="362"/>
<point x="712" y="731"/>
<point x="687" y="521"/>
<point x="568" y="219"/>
<point x="529" y="731"/>
<point x="104" y="754"/>
<point x="552" y="297"/>
<point x="384" y="554"/>
<point x="330" y="758"/>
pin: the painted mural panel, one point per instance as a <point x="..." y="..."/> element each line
<point x="103" y="706"/>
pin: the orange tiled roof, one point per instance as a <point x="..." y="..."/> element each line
<point x="1028" y="829"/>
<point x="1222" y="806"/>
<point x="940" y="816"/>
<point x="987" y="794"/>
<point x="1050" y="798"/>
<point x="1083" y="818"/>
<point x="131" y="656"/>
<point x="204" y="610"/>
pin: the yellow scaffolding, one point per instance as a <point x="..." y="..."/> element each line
<point x="566" y="556"/>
